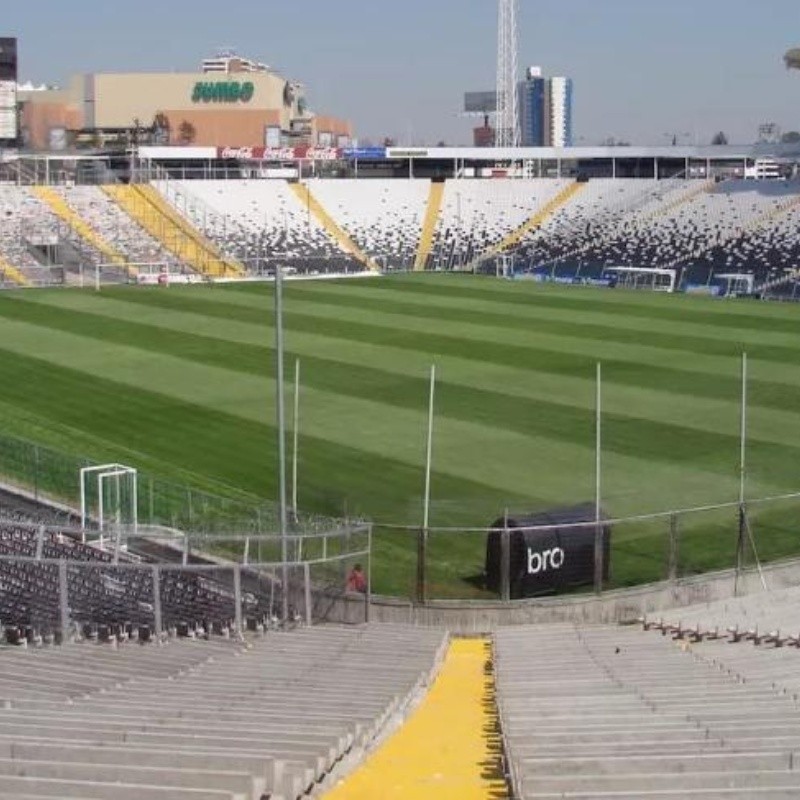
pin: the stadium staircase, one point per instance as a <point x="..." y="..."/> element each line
<point x="59" y="206"/>
<point x="331" y="227"/>
<point x="429" y="226"/>
<point x="449" y="748"/>
<point x="12" y="273"/>
<point x="146" y="206"/>
<point x="534" y="223"/>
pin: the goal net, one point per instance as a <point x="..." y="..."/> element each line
<point x="109" y="502"/>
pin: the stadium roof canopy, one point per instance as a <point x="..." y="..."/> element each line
<point x="792" y="58"/>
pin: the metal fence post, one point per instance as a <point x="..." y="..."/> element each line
<point x="368" y="597"/>
<point x="157" y="599"/>
<point x="307" y="587"/>
<point x="237" y="598"/>
<point x="63" y="601"/>
<point x="505" y="561"/>
<point x="422" y="555"/>
<point x="673" y="547"/>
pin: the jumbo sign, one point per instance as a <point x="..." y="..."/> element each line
<point x="223" y="92"/>
<point x="304" y="153"/>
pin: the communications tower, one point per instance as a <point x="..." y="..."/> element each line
<point x="508" y="128"/>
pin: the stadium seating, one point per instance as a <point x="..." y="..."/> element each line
<point x="105" y="217"/>
<point x="770" y="617"/>
<point x="384" y="217"/>
<point x="478" y="214"/>
<point x="259" y="223"/>
<point x="620" y="713"/>
<point x="203" y="720"/>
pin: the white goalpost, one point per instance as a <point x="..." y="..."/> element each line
<point x="109" y="495"/>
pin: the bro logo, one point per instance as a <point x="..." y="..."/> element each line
<point x="546" y="561"/>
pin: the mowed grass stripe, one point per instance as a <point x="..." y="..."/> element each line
<point x="651" y="370"/>
<point x="547" y="469"/>
<point x="239" y="452"/>
<point x="712" y="452"/>
<point x="687" y="411"/>
<point x="608" y="326"/>
<point x="650" y="305"/>
<point x="362" y="423"/>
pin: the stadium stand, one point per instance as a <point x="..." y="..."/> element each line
<point x="619" y="713"/>
<point x="476" y="215"/>
<point x="770" y="618"/>
<point x="203" y="720"/>
<point x="383" y="217"/>
<point x="260" y="223"/>
<point x="123" y="236"/>
<point x="179" y="236"/>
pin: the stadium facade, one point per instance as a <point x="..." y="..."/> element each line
<point x="229" y="101"/>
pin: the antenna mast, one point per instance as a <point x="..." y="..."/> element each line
<point x="508" y="129"/>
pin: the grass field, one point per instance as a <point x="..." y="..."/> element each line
<point x="179" y="382"/>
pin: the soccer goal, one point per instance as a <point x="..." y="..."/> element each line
<point x="655" y="279"/>
<point x="109" y="500"/>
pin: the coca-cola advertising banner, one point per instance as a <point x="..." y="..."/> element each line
<point x="280" y="153"/>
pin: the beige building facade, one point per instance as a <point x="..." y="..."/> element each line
<point x="220" y="109"/>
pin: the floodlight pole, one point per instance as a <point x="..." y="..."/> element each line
<point x="281" y="420"/>
<point x="598" y="487"/>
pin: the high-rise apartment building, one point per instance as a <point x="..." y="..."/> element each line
<point x="545" y="108"/>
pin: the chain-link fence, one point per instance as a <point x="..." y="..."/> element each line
<point x="567" y="551"/>
<point x="50" y="475"/>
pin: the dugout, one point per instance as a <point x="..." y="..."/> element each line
<point x="546" y="561"/>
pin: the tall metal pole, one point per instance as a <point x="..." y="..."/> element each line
<point x="743" y="436"/>
<point x="429" y="453"/>
<point x="598" y="484"/>
<point x="296" y="435"/>
<point x="422" y="547"/>
<point x="742" y="478"/>
<point x="507" y="123"/>
<point x="281" y="420"/>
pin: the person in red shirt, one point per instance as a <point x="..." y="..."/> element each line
<point x="356" y="580"/>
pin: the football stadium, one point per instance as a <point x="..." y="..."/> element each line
<point x="333" y="470"/>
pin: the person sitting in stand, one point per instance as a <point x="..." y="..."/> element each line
<point x="356" y="580"/>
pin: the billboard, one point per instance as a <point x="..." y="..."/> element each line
<point x="480" y="102"/>
<point x="8" y="89"/>
<point x="279" y="153"/>
<point x="547" y="560"/>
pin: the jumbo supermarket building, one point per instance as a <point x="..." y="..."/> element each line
<point x="230" y="101"/>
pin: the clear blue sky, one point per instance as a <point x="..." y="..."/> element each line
<point x="641" y="67"/>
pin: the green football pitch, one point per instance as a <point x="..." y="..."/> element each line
<point x="179" y="382"/>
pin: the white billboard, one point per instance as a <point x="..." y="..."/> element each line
<point x="8" y="110"/>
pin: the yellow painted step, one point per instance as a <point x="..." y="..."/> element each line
<point x="145" y="205"/>
<point x="64" y="211"/>
<point x="303" y="193"/>
<point x="447" y="750"/>
<point x="12" y="273"/>
<point x="432" y="214"/>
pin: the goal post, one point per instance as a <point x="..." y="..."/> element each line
<point x="109" y="495"/>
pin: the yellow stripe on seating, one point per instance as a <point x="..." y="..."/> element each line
<point x="12" y="273"/>
<point x="59" y="206"/>
<point x="432" y="214"/>
<point x="539" y="218"/>
<point x="145" y="205"/>
<point x="302" y="192"/>
<point x="447" y="750"/>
